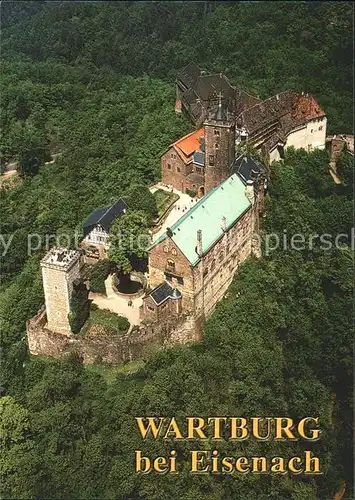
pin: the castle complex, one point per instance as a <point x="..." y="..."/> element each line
<point x="192" y="262"/>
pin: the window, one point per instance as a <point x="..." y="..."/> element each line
<point x="205" y="273"/>
<point x="311" y="130"/>
<point x="216" y="146"/>
<point x="211" y="160"/>
<point x="178" y="169"/>
<point x="166" y="249"/>
<point x="180" y="280"/>
<point x="150" y="308"/>
<point x="221" y="257"/>
<point x="216" y="132"/>
<point x="163" y="306"/>
<point x="321" y="127"/>
<point x="198" y="170"/>
<point x="213" y="264"/>
<point x="169" y="166"/>
<point x="170" y="264"/>
<point x="174" y="252"/>
<point x="168" y="277"/>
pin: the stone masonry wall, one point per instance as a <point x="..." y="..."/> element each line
<point x="158" y="260"/>
<point x="134" y="345"/>
<point x="176" y="174"/>
<point x="214" y="273"/>
<point x="58" y="286"/>
<point x="220" y="148"/>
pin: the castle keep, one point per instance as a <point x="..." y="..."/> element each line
<point x="60" y="270"/>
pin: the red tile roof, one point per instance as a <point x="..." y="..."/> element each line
<point x="288" y="108"/>
<point x="189" y="143"/>
<point x="306" y="108"/>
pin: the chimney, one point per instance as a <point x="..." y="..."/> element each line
<point x="249" y="191"/>
<point x="199" y="243"/>
<point x="224" y="224"/>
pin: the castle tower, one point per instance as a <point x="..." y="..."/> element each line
<point x="60" y="268"/>
<point x="219" y="145"/>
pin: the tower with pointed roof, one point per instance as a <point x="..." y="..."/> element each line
<point x="219" y="144"/>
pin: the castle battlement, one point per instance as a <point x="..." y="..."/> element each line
<point x="60" y="258"/>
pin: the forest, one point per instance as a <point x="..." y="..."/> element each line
<point x="92" y="85"/>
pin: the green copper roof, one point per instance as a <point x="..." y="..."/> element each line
<point x="226" y="200"/>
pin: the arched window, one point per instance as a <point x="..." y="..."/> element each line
<point x="166" y="249"/>
<point x="174" y="252"/>
<point x="213" y="264"/>
<point x="221" y="256"/>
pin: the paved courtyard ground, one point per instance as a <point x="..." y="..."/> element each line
<point x="180" y="207"/>
<point x="117" y="304"/>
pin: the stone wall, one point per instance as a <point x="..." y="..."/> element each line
<point x="58" y="286"/>
<point x="310" y="136"/>
<point x="220" y="152"/>
<point x="214" y="273"/>
<point x="174" y="170"/>
<point x="159" y="256"/>
<point x="137" y="344"/>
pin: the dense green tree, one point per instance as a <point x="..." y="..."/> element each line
<point x="79" y="307"/>
<point x="31" y="148"/>
<point x="138" y="197"/>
